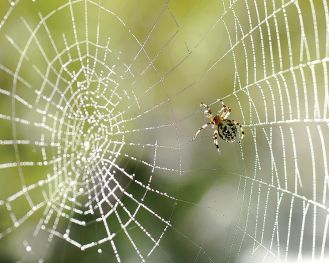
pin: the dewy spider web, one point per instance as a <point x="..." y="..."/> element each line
<point x="98" y="111"/>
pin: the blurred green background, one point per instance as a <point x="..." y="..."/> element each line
<point x="99" y="101"/>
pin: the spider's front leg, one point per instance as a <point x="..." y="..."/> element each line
<point x="225" y="111"/>
<point x="215" y="139"/>
<point x="206" y="110"/>
<point x="198" y="131"/>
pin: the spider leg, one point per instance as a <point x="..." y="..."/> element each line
<point x="206" y="110"/>
<point x="223" y="107"/>
<point x="225" y="111"/>
<point x="198" y="131"/>
<point x="215" y="139"/>
<point x="241" y="131"/>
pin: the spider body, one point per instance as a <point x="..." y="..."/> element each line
<point x="225" y="128"/>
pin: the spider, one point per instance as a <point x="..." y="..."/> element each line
<point x="226" y="129"/>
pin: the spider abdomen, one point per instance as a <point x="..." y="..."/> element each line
<point x="227" y="130"/>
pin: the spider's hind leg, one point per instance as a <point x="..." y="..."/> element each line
<point x="215" y="139"/>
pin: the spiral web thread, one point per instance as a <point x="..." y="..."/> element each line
<point x="81" y="129"/>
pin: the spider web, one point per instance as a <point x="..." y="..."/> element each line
<point x="99" y="102"/>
